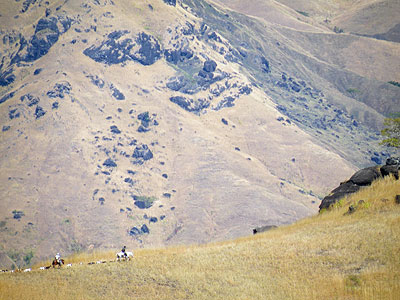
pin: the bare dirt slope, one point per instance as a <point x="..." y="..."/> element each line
<point x="378" y="18"/>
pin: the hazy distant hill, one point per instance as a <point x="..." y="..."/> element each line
<point x="155" y="122"/>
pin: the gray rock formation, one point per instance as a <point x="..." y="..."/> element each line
<point x="361" y="178"/>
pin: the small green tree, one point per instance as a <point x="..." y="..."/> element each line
<point x="391" y="132"/>
<point x="28" y="257"/>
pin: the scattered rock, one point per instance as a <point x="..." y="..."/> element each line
<point x="39" y="112"/>
<point x="178" y="55"/>
<point x="145" y="119"/>
<point x="228" y="101"/>
<point x="37" y="71"/>
<point x="13" y="114"/>
<point x="29" y="99"/>
<point x="351" y="209"/>
<point x="60" y="90"/>
<point x="170" y="2"/>
<point x="183" y="85"/>
<point x="18" y="214"/>
<point x="263" y="228"/>
<point x="393" y="161"/>
<point x="109" y="163"/>
<point x="209" y="66"/>
<point x="265" y="65"/>
<point x="134" y="231"/>
<point x="97" y="81"/>
<point x="143" y="129"/>
<point x="6" y="97"/>
<point x="114" y="129"/>
<point x="128" y="180"/>
<point x="191" y="105"/>
<point x="397" y="199"/>
<point x="6" y="77"/>
<point x="116" y="93"/>
<point x="143" y="152"/>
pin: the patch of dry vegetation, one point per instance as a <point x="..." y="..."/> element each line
<point x="334" y="255"/>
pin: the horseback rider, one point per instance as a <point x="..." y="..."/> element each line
<point x="58" y="258"/>
<point x="124" y="251"/>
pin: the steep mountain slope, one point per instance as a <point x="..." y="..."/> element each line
<point x="153" y="123"/>
<point x="374" y="18"/>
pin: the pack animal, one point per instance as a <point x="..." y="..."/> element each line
<point x="121" y="255"/>
<point x="58" y="263"/>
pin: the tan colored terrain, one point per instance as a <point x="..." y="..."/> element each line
<point x="210" y="180"/>
<point x="335" y="255"/>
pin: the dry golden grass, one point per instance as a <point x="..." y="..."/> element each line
<point x="333" y="255"/>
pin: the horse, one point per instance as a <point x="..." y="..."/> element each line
<point x="56" y="262"/>
<point x="127" y="255"/>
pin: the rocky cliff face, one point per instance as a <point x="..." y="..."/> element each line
<point x="165" y="122"/>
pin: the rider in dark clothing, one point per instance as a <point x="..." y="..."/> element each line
<point x="124" y="250"/>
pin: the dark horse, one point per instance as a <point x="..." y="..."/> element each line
<point x="56" y="262"/>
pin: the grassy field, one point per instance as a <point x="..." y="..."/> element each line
<point x="334" y="255"/>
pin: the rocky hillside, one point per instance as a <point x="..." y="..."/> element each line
<point x="162" y="122"/>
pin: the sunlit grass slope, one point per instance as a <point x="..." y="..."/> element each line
<point x="334" y="255"/>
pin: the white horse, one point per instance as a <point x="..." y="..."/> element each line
<point x="127" y="255"/>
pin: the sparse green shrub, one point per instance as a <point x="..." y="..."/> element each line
<point x="353" y="91"/>
<point x="28" y="257"/>
<point x="66" y="221"/>
<point x="75" y="247"/>
<point x="337" y="30"/>
<point x="391" y="132"/>
<point x="144" y="201"/>
<point x="339" y="203"/>
<point x="18" y="214"/>
<point x="13" y="255"/>
<point x="395" y="83"/>
<point x="2" y="223"/>
<point x="353" y="281"/>
<point x="306" y="14"/>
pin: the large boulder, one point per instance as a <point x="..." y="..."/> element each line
<point x="365" y="176"/>
<point x="361" y="178"/>
<point x="390" y="169"/>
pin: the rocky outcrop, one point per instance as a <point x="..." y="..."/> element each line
<point x="119" y="47"/>
<point x="142" y="152"/>
<point x="361" y="178"/>
<point x="170" y="2"/>
<point x="191" y="105"/>
<point x="47" y="32"/>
